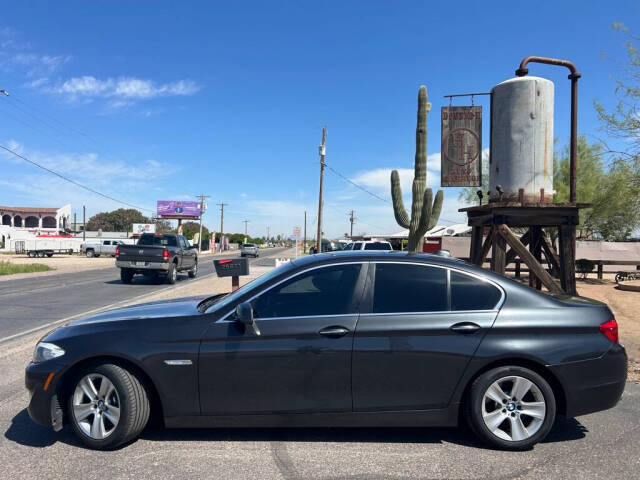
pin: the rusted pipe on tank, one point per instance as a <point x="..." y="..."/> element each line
<point x="573" y="146"/>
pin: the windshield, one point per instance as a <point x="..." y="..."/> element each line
<point x="377" y="246"/>
<point x="253" y="284"/>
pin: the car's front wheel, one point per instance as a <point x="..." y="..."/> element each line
<point x="107" y="406"/>
<point x="511" y="407"/>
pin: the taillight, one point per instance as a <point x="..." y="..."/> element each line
<point x="610" y="330"/>
<point x="165" y="254"/>
<point x="117" y="251"/>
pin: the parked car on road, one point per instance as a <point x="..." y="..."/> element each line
<point x="249" y="249"/>
<point x="345" y="339"/>
<point x="157" y="256"/>
<point x="105" y="247"/>
<point x="372" y="245"/>
<point x="325" y="245"/>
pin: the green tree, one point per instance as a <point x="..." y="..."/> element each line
<point x="624" y="120"/>
<point x="119" y="220"/>
<point x="189" y="229"/>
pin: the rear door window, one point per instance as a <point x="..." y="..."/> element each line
<point x="406" y="287"/>
<point x="471" y="293"/>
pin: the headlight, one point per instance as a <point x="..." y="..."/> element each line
<point x="46" y="351"/>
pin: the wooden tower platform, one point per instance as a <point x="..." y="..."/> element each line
<point x="500" y="217"/>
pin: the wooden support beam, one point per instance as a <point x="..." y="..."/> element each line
<point x="499" y="253"/>
<point x="512" y="254"/>
<point x="550" y="253"/>
<point x="600" y="271"/>
<point x="526" y="256"/>
<point x="476" y="244"/>
<point x="536" y="251"/>
<point x="486" y="246"/>
<point x="567" y="243"/>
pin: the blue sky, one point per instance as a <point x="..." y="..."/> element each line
<point x="164" y="100"/>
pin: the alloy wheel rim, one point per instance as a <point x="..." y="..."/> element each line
<point x="96" y="406"/>
<point x="513" y="408"/>
<point x="174" y="273"/>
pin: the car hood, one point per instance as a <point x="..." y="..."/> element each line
<point x="177" y="307"/>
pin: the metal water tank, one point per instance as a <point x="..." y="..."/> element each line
<point x="522" y="140"/>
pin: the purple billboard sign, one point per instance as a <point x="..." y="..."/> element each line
<point x="178" y="208"/>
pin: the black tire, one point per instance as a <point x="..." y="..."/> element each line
<point x="41" y="254"/>
<point x="126" y="275"/>
<point x="172" y="274"/>
<point x="134" y="406"/>
<point x="49" y="255"/>
<point x="32" y="254"/>
<point x="90" y="253"/>
<point x="194" y="271"/>
<point x="474" y="405"/>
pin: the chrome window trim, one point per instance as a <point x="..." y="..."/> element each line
<point x="360" y="262"/>
<point x="496" y="308"/>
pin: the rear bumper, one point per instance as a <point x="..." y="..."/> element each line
<point x="147" y="265"/>
<point x="593" y="385"/>
<point x="44" y="407"/>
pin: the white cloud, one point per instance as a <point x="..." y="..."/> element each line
<point x="123" y="89"/>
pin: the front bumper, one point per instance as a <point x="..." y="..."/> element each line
<point x="44" y="406"/>
<point x="143" y="265"/>
<point x="593" y="385"/>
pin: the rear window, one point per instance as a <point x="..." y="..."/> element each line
<point x="377" y="246"/>
<point x="158" y="240"/>
<point x="405" y="287"/>
<point x="357" y="246"/>
<point x="249" y="245"/>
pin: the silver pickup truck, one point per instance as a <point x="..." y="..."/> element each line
<point x="106" y="247"/>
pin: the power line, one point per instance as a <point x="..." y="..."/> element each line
<point x="104" y="195"/>
<point x="346" y="179"/>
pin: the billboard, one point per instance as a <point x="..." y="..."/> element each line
<point x="178" y="208"/>
<point x="461" y="153"/>
<point x="140" y="228"/>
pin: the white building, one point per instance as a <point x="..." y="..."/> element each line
<point x="28" y="222"/>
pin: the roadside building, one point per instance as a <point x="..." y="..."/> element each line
<point x="26" y="222"/>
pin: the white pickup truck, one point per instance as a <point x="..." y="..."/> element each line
<point x="106" y="247"/>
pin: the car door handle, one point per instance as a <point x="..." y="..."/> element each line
<point x="334" y="332"/>
<point x="465" y="327"/>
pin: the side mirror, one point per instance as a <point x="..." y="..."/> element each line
<point x="244" y="314"/>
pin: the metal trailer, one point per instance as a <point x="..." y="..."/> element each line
<point x="43" y="248"/>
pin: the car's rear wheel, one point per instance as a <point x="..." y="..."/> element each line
<point x="172" y="274"/>
<point x="511" y="407"/>
<point x="107" y="406"/>
<point x="126" y="275"/>
<point x="194" y="271"/>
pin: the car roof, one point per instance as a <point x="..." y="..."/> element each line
<point x="376" y="255"/>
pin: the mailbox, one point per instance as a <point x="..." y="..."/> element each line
<point x="231" y="267"/>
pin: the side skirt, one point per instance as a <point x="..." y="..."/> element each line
<point x="447" y="417"/>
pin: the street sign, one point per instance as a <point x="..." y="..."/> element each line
<point x="140" y="228"/>
<point x="296" y="232"/>
<point x="461" y="154"/>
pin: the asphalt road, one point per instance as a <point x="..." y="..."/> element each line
<point x="601" y="445"/>
<point x="29" y="303"/>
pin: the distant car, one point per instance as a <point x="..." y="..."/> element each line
<point x="106" y="247"/>
<point x="326" y="246"/>
<point x="249" y="249"/>
<point x="350" y="339"/>
<point x="371" y="245"/>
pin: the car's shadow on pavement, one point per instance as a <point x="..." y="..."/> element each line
<point x="25" y="432"/>
<point x="141" y="280"/>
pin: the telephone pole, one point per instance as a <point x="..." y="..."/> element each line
<point x="222" y="205"/>
<point x="267" y="233"/>
<point x="84" y="223"/>
<point x="245" y="226"/>
<point x="351" y="219"/>
<point x="203" y="207"/>
<point x="321" y="151"/>
<point x="304" y="241"/>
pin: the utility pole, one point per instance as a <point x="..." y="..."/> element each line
<point x="351" y="219"/>
<point x="304" y="241"/>
<point x="245" y="226"/>
<point x="267" y="233"/>
<point x="203" y="207"/>
<point x="222" y="205"/>
<point x="321" y="151"/>
<point x="74" y="224"/>
<point x="84" y="223"/>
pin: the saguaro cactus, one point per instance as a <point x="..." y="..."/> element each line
<point x="424" y="211"/>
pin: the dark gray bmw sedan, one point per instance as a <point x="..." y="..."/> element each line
<point x="363" y="338"/>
